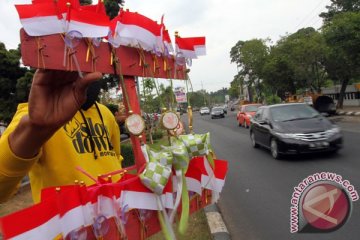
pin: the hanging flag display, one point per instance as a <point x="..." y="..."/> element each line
<point x="52" y="17"/>
<point x="135" y="30"/>
<point x="34" y="17"/>
<point x="191" y="47"/>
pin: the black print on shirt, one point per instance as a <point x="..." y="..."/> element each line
<point x="81" y="136"/>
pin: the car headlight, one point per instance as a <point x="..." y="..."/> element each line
<point x="287" y="135"/>
<point x="334" y="130"/>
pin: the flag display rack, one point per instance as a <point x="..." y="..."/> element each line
<point x="48" y="52"/>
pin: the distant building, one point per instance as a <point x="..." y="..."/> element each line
<point x="351" y="97"/>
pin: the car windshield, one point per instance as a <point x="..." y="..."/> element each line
<point x="217" y="109"/>
<point x="252" y="108"/>
<point x="293" y="112"/>
<point x="204" y="109"/>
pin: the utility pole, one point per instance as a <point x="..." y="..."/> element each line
<point x="202" y="88"/>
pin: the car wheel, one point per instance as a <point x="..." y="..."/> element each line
<point x="253" y="141"/>
<point x="274" y="149"/>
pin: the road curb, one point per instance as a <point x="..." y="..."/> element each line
<point x="216" y="223"/>
<point x="348" y="113"/>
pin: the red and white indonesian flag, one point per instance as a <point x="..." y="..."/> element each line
<point x="167" y="41"/>
<point x="164" y="40"/>
<point x="41" y="19"/>
<point x="60" y="213"/>
<point x="201" y="171"/>
<point x="201" y="175"/>
<point x="54" y="217"/>
<point x="98" y="8"/>
<point x="39" y="222"/>
<point x="50" y="17"/>
<point x="190" y="47"/>
<point x="135" y="30"/>
<point x="88" y="23"/>
<point x="136" y="195"/>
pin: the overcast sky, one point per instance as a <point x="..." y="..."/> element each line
<point x="222" y="22"/>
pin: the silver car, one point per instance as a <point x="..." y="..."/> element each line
<point x="217" y="112"/>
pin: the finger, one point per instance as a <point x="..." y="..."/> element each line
<point x="83" y="83"/>
<point x="54" y="77"/>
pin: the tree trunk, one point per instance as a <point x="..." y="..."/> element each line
<point x="344" y="84"/>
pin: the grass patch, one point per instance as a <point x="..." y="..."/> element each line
<point x="22" y="199"/>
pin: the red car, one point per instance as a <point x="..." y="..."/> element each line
<point x="246" y="113"/>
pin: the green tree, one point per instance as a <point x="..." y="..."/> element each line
<point x="338" y="7"/>
<point x="235" y="53"/>
<point x="298" y="60"/>
<point x="10" y="72"/>
<point x="235" y="85"/>
<point x="278" y="75"/>
<point x="113" y="7"/>
<point x="167" y="96"/>
<point x="342" y="35"/>
<point x="218" y="97"/>
<point x="196" y="98"/>
<point x="250" y="57"/>
<point x="23" y="86"/>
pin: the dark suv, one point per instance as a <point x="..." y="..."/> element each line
<point x="292" y="129"/>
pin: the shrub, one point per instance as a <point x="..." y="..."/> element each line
<point x="128" y="155"/>
<point x="158" y="134"/>
<point x="273" y="99"/>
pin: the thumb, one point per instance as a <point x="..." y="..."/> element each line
<point x="81" y="85"/>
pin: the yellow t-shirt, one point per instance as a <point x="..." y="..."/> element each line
<point x="70" y="147"/>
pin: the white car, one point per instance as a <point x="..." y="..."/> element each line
<point x="204" y="110"/>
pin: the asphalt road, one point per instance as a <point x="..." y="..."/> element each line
<point x="255" y="202"/>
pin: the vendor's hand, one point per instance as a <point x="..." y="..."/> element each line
<point x="56" y="96"/>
